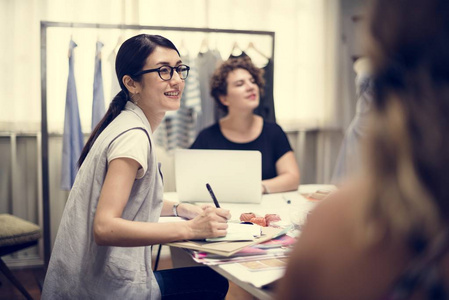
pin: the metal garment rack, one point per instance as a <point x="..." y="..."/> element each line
<point x="44" y="123"/>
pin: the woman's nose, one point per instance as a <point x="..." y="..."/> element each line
<point x="250" y="85"/>
<point x="176" y="78"/>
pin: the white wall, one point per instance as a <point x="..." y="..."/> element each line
<point x="306" y="33"/>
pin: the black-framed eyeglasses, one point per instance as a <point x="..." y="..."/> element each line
<point x="166" y="72"/>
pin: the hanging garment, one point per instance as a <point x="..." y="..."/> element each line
<point x="349" y="158"/>
<point x="185" y="126"/>
<point x="178" y="129"/>
<point x="266" y="105"/>
<point x="115" y="86"/>
<point x="207" y="63"/>
<point x="98" y="109"/>
<point x="72" y="140"/>
<point x="186" y="116"/>
<point x="165" y="134"/>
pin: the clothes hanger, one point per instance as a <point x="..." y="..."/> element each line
<point x="251" y="46"/>
<point x="120" y="41"/>
<point x="182" y="48"/>
<point x="215" y="43"/>
<point x="204" y="45"/>
<point x="98" y="33"/>
<point x="258" y="57"/>
<point x="71" y="39"/>
<point x="71" y="31"/>
<point x="236" y="47"/>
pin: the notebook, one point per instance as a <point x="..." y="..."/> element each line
<point x="234" y="175"/>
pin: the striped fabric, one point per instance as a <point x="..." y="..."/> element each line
<point x="178" y="129"/>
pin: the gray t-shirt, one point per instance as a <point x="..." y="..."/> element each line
<point x="79" y="268"/>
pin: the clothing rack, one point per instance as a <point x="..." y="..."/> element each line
<point x="44" y="121"/>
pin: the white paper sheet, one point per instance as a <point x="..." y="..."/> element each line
<point x="239" y="232"/>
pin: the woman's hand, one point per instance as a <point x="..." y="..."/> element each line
<point x="211" y="222"/>
<point x="188" y="211"/>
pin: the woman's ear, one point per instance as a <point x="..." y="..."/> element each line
<point x="130" y="84"/>
<point x="223" y="100"/>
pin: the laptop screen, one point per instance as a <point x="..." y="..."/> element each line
<point x="234" y="175"/>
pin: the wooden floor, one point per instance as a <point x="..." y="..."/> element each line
<point x="32" y="279"/>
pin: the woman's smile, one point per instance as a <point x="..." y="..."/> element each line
<point x="173" y="94"/>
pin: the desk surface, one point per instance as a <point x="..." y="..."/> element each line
<point x="273" y="203"/>
<point x="294" y="211"/>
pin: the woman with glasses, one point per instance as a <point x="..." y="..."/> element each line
<point x="386" y="234"/>
<point x="236" y="86"/>
<point x="111" y="217"/>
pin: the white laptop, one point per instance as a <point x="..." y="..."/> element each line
<point x="234" y="175"/>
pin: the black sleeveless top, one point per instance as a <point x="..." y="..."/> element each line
<point x="272" y="143"/>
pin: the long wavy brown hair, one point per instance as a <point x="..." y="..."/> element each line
<point x="407" y="154"/>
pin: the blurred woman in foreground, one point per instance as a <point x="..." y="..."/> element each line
<point x="385" y="236"/>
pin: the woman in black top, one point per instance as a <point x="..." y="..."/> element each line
<point x="236" y="86"/>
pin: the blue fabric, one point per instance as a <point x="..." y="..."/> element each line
<point x="191" y="283"/>
<point x="98" y="109"/>
<point x="73" y="140"/>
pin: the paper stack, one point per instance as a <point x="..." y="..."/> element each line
<point x="228" y="248"/>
